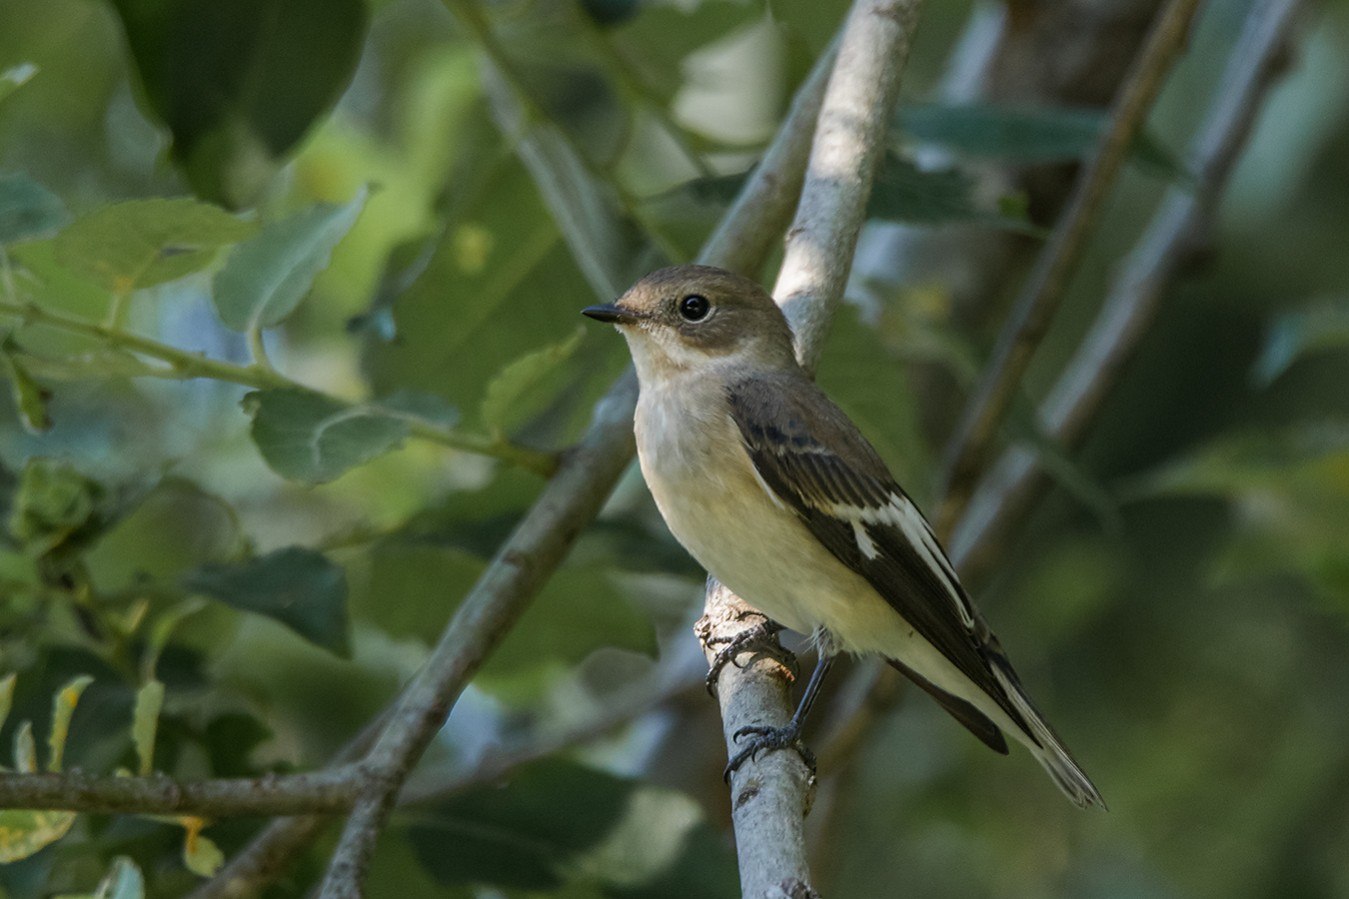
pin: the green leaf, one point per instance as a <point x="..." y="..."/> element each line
<point x="1026" y="135"/>
<point x="6" y="696"/>
<point x="94" y="365"/>
<point x="200" y="853"/>
<point x="579" y="612"/>
<point x="308" y="437"/>
<point x="267" y="276"/>
<point x="238" y="84"/>
<point x="905" y="193"/>
<point x="424" y="406"/>
<point x="1290" y="497"/>
<point x="24" y="832"/>
<point x="15" y="77"/>
<point x="140" y="243"/>
<point x="55" y="506"/>
<point x="25" y="749"/>
<point x="298" y="587"/>
<point x="518" y="377"/>
<point x="63" y="709"/>
<point x="30" y="397"/>
<point x="1294" y="335"/>
<point x="27" y="209"/>
<point x="144" y="723"/>
<point x="559" y="824"/>
<point x="124" y="881"/>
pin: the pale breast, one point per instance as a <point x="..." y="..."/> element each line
<point x="706" y="489"/>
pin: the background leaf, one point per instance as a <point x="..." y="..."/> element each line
<point x="501" y="404"/>
<point x="63" y="709"/>
<point x="558" y="823"/>
<point x="266" y="277"/>
<point x="24" y="832"/>
<point x="15" y="77"/>
<point x="140" y="243"/>
<point x="1300" y="333"/>
<point x="27" y="209"/>
<point x="238" y="84"/>
<point x="298" y="587"/>
<point x="1026" y="134"/>
<point x="144" y="724"/>
<point x="308" y="437"/>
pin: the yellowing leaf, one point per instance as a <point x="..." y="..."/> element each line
<point x="63" y="708"/>
<point x="149" y="701"/>
<point x="201" y="855"/>
<point x="23" y="832"/>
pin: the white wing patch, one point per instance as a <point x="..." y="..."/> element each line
<point x="868" y="548"/>
<point x="901" y="513"/>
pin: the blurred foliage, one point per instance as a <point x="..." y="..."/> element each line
<point x="268" y="270"/>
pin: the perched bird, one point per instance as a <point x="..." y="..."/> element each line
<point x="774" y="490"/>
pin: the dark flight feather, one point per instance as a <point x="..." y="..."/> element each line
<point x="820" y="466"/>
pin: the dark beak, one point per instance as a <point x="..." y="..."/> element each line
<point x="611" y="312"/>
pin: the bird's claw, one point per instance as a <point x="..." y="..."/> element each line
<point x="768" y="739"/>
<point x="759" y="638"/>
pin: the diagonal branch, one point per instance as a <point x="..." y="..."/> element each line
<point x="1176" y="232"/>
<point x="771" y="796"/>
<point x="969" y="452"/>
<point x="331" y="790"/>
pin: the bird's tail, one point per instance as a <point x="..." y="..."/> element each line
<point x="1045" y="744"/>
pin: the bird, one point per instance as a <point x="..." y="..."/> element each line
<point x="777" y="494"/>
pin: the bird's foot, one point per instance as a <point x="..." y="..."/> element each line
<point x="769" y="739"/>
<point x="761" y="639"/>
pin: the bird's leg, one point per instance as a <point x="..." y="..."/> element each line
<point x="767" y="739"/>
<point x="760" y="638"/>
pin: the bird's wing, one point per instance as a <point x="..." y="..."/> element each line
<point x="814" y="461"/>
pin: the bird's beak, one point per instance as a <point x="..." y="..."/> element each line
<point x="613" y="313"/>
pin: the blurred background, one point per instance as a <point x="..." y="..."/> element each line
<point x="1178" y="603"/>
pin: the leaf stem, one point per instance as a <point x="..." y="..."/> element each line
<point x="183" y="365"/>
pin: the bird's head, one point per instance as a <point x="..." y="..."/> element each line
<point x="695" y="316"/>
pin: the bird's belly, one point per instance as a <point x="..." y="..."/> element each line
<point x="721" y="514"/>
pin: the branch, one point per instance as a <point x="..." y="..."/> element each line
<point x="568" y="503"/>
<point x="184" y="365"/>
<point x="969" y="452"/>
<point x="328" y="791"/>
<point x="771" y="795"/>
<point x="1170" y="241"/>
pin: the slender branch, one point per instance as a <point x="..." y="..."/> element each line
<point x="771" y="796"/>
<point x="848" y="145"/>
<point x="328" y="791"/>
<point x="569" y="501"/>
<point x="970" y="450"/>
<point x="184" y="365"/>
<point x="1177" y="230"/>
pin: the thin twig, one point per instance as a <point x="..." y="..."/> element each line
<point x="1176" y="231"/>
<point x="969" y="451"/>
<point x="771" y="795"/>
<point x="185" y="365"/>
<point x="328" y="791"/>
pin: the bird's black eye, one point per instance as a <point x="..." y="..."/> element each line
<point x="694" y="307"/>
